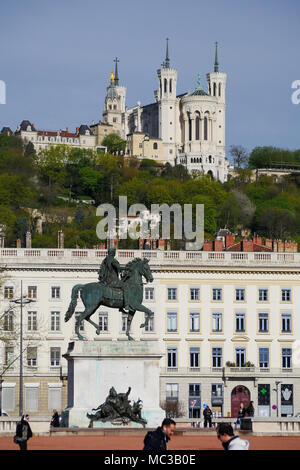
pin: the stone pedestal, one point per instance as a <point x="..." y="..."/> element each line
<point x="94" y="367"/>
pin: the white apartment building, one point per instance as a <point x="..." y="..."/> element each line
<point x="227" y="324"/>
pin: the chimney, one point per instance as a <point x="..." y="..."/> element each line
<point x="141" y="243"/>
<point x="207" y="245"/>
<point x="77" y="130"/>
<point x="161" y="244"/>
<point x="269" y="243"/>
<point x="67" y="129"/>
<point x="247" y="245"/>
<point x="218" y="245"/>
<point x="60" y="239"/>
<point x="229" y="240"/>
<point x="28" y="240"/>
<point x="280" y="246"/>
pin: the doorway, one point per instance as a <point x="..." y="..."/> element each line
<point x="239" y="394"/>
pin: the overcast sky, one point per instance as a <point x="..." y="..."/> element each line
<point x="56" y="57"/>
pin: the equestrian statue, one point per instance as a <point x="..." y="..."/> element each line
<point x="118" y="287"/>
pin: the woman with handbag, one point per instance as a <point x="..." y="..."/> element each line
<point x="23" y="432"/>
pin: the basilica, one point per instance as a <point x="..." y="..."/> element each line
<point x="187" y="129"/>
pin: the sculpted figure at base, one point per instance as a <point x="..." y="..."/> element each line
<point x="117" y="409"/>
<point x="124" y="293"/>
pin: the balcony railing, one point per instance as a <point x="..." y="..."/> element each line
<point x="188" y="258"/>
<point x="230" y="371"/>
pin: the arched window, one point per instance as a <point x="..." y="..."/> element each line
<point x="205" y="128"/>
<point x="190" y="128"/>
<point x="215" y="89"/>
<point x="219" y="89"/>
<point x="197" y="125"/>
<point x="170" y="86"/>
<point x="165" y="85"/>
<point x="160" y="89"/>
<point x="209" y="159"/>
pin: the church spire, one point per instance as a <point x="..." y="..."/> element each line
<point x="216" y="68"/>
<point x="116" y="60"/>
<point x="166" y="63"/>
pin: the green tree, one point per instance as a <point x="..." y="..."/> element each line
<point x="114" y="143"/>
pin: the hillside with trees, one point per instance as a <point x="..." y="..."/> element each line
<point x="52" y="186"/>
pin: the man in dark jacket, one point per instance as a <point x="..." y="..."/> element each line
<point x="157" y="440"/>
<point x="207" y="413"/>
<point x="23" y="432"/>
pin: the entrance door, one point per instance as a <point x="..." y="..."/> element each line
<point x="239" y="394"/>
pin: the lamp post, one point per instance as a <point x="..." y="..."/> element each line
<point x="23" y="300"/>
<point x="276" y="390"/>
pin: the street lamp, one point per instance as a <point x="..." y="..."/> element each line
<point x="23" y="300"/>
<point x="276" y="390"/>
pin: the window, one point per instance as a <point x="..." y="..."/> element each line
<point x="55" y="357"/>
<point x="240" y="356"/>
<point x="8" y="323"/>
<point x="194" y="400"/>
<point x="195" y="293"/>
<point x="286" y="358"/>
<point x="8" y="292"/>
<point x="205" y="128"/>
<point x="240" y="322"/>
<point x="172" y="356"/>
<point x="155" y="146"/>
<point x="55" y="321"/>
<point x="217" y="293"/>
<point x="264" y="357"/>
<point x="194" y="356"/>
<point x="263" y="295"/>
<point x="172" y="321"/>
<point x="55" y="292"/>
<point x="114" y="119"/>
<point x="54" y="397"/>
<point x="216" y="390"/>
<point x="217" y="357"/>
<point x="172" y="293"/>
<point x="240" y="294"/>
<point x="217" y="321"/>
<point x="115" y="106"/>
<point x="8" y="398"/>
<point x="31" y="356"/>
<point x="194" y="321"/>
<point x="32" y="321"/>
<point x="263" y="322"/>
<point x="170" y="85"/>
<point x="165" y="85"/>
<point x="286" y="322"/>
<point x="172" y="392"/>
<point x="103" y="321"/>
<point x="9" y="355"/>
<point x="31" y="398"/>
<point x="32" y="292"/>
<point x="150" y="326"/>
<point x="197" y="126"/>
<point x="286" y="295"/>
<point x="140" y="145"/>
<point x="149" y="293"/>
<point x="81" y="327"/>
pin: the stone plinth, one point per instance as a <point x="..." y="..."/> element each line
<point x="94" y="367"/>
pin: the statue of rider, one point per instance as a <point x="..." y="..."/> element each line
<point x="108" y="275"/>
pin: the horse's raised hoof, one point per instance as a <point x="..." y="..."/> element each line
<point x="81" y="338"/>
<point x="142" y="325"/>
<point x="98" y="331"/>
<point x="130" y="338"/>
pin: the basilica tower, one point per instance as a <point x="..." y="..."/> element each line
<point x="114" y="105"/>
<point x="168" y="108"/>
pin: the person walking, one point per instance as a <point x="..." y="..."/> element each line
<point x="158" y="440"/>
<point x="229" y="441"/>
<point x="23" y="432"/>
<point x="207" y="413"/>
<point x="55" y="420"/>
<point x="250" y="409"/>
<point x="241" y="415"/>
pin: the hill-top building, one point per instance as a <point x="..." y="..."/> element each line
<point x="186" y="129"/>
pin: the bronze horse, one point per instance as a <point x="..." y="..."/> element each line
<point x="95" y="294"/>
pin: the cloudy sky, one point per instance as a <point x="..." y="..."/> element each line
<point x="56" y="57"/>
